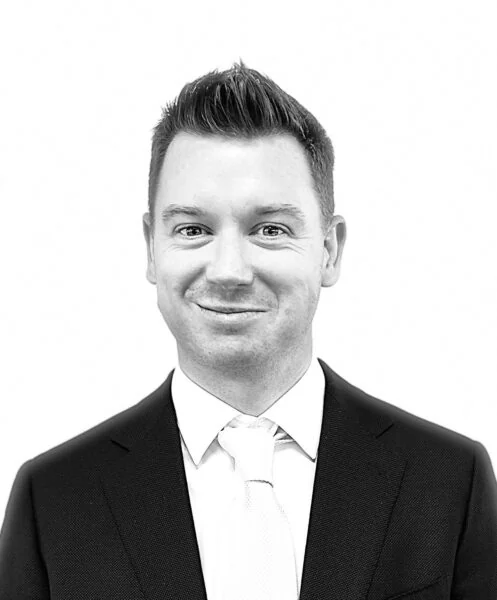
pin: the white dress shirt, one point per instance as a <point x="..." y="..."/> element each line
<point x="210" y="474"/>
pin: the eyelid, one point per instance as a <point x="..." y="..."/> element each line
<point x="180" y="227"/>
<point x="284" y="228"/>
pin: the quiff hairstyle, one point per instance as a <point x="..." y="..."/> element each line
<point x="242" y="103"/>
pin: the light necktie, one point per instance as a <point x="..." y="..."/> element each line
<point x="256" y="558"/>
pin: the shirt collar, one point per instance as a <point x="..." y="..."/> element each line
<point x="201" y="415"/>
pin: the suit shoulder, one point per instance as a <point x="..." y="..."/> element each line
<point x="85" y="448"/>
<point x="408" y="432"/>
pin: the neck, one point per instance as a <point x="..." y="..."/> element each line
<point x="250" y="387"/>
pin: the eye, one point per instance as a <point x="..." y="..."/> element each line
<point x="272" y="231"/>
<point x="191" y="231"/>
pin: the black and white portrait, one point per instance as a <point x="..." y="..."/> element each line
<point x="248" y="313"/>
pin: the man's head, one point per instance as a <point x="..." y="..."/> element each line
<point x="240" y="103"/>
<point x="241" y="234"/>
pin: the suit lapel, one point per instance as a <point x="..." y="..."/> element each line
<point x="145" y="484"/>
<point x="356" y="485"/>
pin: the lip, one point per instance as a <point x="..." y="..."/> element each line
<point x="231" y="310"/>
<point x="230" y="315"/>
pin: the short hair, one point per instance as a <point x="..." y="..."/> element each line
<point x="242" y="103"/>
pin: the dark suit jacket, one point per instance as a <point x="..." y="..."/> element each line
<point x="402" y="508"/>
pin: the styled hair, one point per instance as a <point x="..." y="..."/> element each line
<point x="242" y="103"/>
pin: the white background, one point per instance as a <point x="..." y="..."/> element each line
<point x="407" y="92"/>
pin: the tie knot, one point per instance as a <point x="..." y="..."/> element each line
<point x="250" y="441"/>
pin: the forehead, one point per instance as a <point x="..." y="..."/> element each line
<point x="269" y="169"/>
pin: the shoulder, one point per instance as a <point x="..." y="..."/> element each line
<point x="419" y="440"/>
<point x="89" y="449"/>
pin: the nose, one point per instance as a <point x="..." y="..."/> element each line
<point x="229" y="265"/>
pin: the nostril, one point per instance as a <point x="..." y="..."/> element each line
<point x="229" y="269"/>
<point x="229" y="277"/>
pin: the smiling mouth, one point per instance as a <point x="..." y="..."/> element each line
<point x="231" y="310"/>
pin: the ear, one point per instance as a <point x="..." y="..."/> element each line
<point x="149" y="238"/>
<point x="333" y="245"/>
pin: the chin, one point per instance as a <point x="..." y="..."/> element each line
<point x="232" y="354"/>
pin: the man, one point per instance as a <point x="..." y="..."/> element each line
<point x="254" y="470"/>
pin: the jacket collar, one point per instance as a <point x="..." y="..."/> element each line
<point x="356" y="485"/>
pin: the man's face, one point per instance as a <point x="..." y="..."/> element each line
<point x="237" y="250"/>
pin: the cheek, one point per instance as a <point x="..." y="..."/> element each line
<point x="174" y="276"/>
<point x="298" y="289"/>
<point x="298" y="270"/>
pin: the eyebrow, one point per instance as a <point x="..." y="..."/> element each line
<point x="286" y="209"/>
<point x="179" y="209"/>
<point x="269" y="209"/>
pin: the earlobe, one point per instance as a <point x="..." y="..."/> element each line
<point x="334" y="242"/>
<point x="149" y="239"/>
<point x="150" y="273"/>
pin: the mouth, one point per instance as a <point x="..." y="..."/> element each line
<point x="231" y="310"/>
<point x="231" y="313"/>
